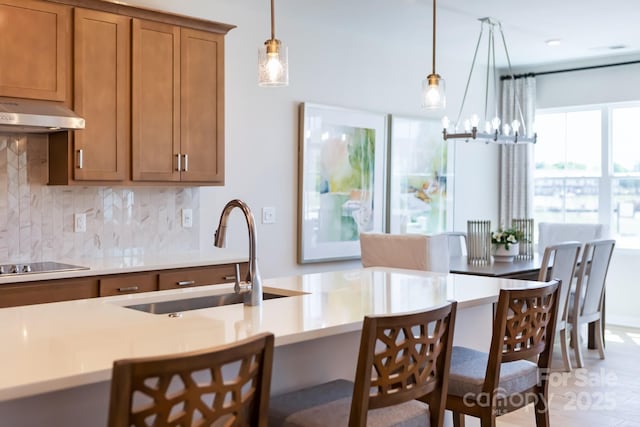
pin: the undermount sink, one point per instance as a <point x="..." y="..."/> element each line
<point x="176" y="306"/>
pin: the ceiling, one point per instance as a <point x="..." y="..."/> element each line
<point x="588" y="30"/>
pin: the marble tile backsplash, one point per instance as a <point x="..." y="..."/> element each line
<point x="36" y="220"/>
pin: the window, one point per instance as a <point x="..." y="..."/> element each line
<point x="587" y="168"/>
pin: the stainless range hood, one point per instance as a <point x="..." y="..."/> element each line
<point x="32" y="116"/>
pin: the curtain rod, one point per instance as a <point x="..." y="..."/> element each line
<point x="567" y="70"/>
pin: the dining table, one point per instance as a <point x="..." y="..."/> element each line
<point x="525" y="269"/>
<point x="519" y="268"/>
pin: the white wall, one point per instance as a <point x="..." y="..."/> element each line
<point x="364" y="54"/>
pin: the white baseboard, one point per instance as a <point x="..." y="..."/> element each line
<point x="630" y="321"/>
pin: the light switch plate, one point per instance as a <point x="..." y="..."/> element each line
<point x="79" y="223"/>
<point x="269" y="215"/>
<point x="187" y="218"/>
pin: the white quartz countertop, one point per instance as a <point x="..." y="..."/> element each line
<point x="134" y="263"/>
<point x="49" y="347"/>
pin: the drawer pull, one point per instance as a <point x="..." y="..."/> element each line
<point x="80" y="158"/>
<point x="229" y="277"/>
<point x="129" y="288"/>
<point x="186" y="282"/>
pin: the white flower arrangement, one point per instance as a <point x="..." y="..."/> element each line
<point x="505" y="237"/>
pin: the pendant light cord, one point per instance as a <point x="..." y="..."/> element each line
<point x="273" y="22"/>
<point x="433" y="62"/>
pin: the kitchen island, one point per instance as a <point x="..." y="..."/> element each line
<point x="57" y="357"/>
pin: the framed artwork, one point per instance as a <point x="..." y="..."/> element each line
<point x="420" y="177"/>
<point x="341" y="185"/>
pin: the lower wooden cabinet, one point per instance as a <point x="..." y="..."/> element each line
<point x="199" y="276"/>
<point x="40" y="292"/>
<point x="128" y="284"/>
<point x="43" y="291"/>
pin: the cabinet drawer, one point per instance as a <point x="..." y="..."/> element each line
<point x="199" y="276"/>
<point x="47" y="291"/>
<point x="128" y="284"/>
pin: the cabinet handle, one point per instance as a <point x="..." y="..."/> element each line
<point x="186" y="282"/>
<point x="229" y="277"/>
<point x="80" y="158"/>
<point x="179" y="162"/>
<point x="186" y="163"/>
<point x="129" y="288"/>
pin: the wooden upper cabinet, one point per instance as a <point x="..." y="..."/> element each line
<point x="102" y="95"/>
<point x="202" y="106"/>
<point x="156" y="101"/>
<point x="35" y="41"/>
<point x="178" y="104"/>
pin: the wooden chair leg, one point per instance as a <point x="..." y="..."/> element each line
<point x="566" y="360"/>
<point x="542" y="416"/>
<point x="542" y="410"/>
<point x="488" y="420"/>
<point x="575" y="337"/>
<point x="599" y="338"/>
<point x="458" y="419"/>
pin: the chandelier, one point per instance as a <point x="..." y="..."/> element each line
<point x="493" y="130"/>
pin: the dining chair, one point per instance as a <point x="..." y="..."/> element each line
<point x="457" y="243"/>
<point x="487" y="385"/>
<point x="400" y="378"/>
<point x="550" y="233"/>
<point x="229" y="385"/>
<point x="559" y="262"/>
<point x="411" y="251"/>
<point x="587" y="304"/>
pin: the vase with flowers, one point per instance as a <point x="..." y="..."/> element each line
<point x="505" y="244"/>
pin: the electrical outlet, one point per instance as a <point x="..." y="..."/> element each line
<point x="79" y="223"/>
<point x="269" y="215"/>
<point x="187" y="218"/>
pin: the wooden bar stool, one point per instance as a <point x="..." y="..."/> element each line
<point x="488" y="385"/>
<point x="193" y="388"/>
<point x="401" y="377"/>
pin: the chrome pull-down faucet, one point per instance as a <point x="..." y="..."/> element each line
<point x="254" y="281"/>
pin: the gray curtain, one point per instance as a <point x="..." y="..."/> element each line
<point x="516" y="160"/>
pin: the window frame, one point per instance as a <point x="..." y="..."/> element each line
<point x="607" y="175"/>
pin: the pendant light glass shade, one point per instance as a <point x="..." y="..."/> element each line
<point x="273" y="64"/>
<point x="433" y="96"/>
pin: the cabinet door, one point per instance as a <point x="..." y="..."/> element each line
<point x="34" y="46"/>
<point x="48" y="291"/>
<point x="156" y="101"/>
<point x="101" y="95"/>
<point x="202" y="106"/>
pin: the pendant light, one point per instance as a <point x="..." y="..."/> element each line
<point x="273" y="68"/>
<point x="433" y="96"/>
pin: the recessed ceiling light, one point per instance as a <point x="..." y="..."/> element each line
<point x="611" y="47"/>
<point x="553" y="42"/>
